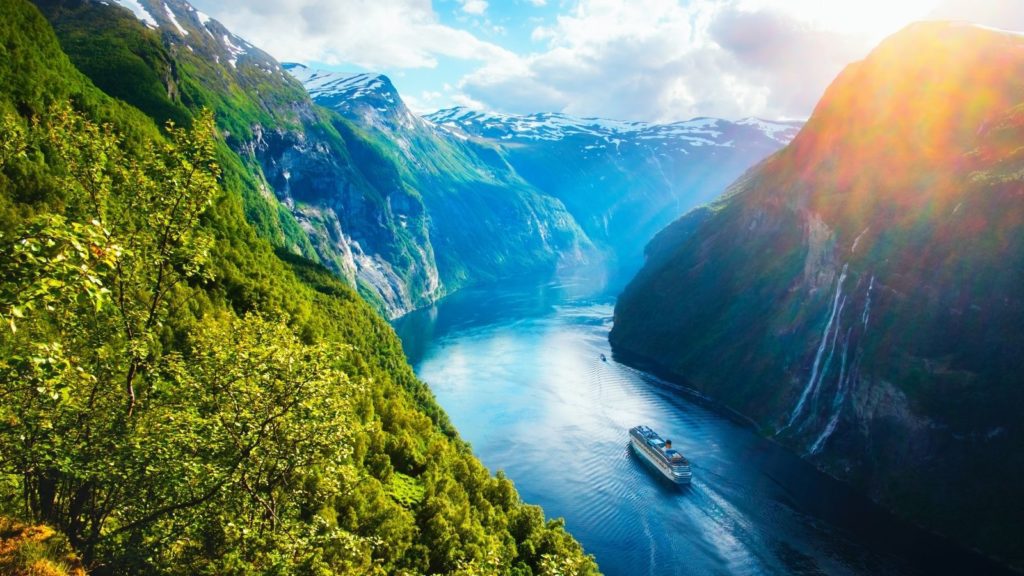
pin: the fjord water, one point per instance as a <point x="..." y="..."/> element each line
<point x="519" y="371"/>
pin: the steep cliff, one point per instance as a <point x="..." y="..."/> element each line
<point x="485" y="221"/>
<point x="859" y="293"/>
<point x="406" y="209"/>
<point x="313" y="183"/>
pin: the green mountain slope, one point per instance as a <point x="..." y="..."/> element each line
<point x="485" y="221"/>
<point x="859" y="294"/>
<point x="179" y="397"/>
<point x="368" y="203"/>
<point x="313" y="183"/>
<point x="406" y="210"/>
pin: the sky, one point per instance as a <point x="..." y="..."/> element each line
<point x="650" y="60"/>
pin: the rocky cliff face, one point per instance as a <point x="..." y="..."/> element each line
<point x="484" y="220"/>
<point x="311" y="181"/>
<point x="361" y="218"/>
<point x="859" y="294"/>
<point x="353" y="180"/>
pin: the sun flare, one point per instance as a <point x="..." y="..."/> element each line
<point x="872" y="18"/>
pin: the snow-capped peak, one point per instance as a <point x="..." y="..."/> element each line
<point x="778" y="131"/>
<point x="558" y="126"/>
<point x="350" y="85"/>
<point x="370" y="97"/>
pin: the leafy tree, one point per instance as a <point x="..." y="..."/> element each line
<point x="91" y="290"/>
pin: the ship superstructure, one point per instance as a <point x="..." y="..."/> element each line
<point x="659" y="454"/>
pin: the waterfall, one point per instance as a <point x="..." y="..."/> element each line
<point x="857" y="239"/>
<point x="837" y="402"/>
<point x="821" y="351"/>
<point x="867" y="303"/>
<point x="816" y="386"/>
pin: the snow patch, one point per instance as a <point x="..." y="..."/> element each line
<point x="678" y="136"/>
<point x="557" y="126"/>
<point x="779" y="132"/>
<point x="204" y="20"/>
<point x="174" y="20"/>
<point x="233" y="49"/>
<point x="348" y="85"/>
<point x="140" y="12"/>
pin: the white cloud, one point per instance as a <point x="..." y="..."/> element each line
<point x="425" y="102"/>
<point x="1004" y="14"/>
<point x="669" y="60"/>
<point x="657" y="60"/>
<point x="474" y="6"/>
<point x="375" y="34"/>
<point x="538" y="3"/>
<point x="627" y="59"/>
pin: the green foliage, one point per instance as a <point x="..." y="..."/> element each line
<point x="125" y="60"/>
<point x="406" y="490"/>
<point x="129" y="61"/>
<point x="238" y="439"/>
<point x="179" y="399"/>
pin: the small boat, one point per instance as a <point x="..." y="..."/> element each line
<point x="604" y="358"/>
<point x="659" y="453"/>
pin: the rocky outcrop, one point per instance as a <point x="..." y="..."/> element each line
<point x="372" y="233"/>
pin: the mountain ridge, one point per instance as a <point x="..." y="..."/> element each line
<point x="557" y="126"/>
<point x="621" y="185"/>
<point x="857" y="294"/>
<point x="623" y="181"/>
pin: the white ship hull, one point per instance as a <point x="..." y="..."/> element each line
<point x="676" y="472"/>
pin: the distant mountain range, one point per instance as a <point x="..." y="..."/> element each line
<point x="859" y="294"/>
<point x="408" y="209"/>
<point x="623" y="181"/>
<point x="484" y="221"/>
<point x="684" y="135"/>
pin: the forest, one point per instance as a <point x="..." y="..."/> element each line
<point x="178" y="397"/>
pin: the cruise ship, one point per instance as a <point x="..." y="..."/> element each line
<point x="659" y="454"/>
